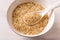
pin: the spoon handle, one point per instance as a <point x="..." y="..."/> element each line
<point x="54" y="6"/>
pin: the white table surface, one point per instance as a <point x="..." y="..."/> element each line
<point x="7" y="34"/>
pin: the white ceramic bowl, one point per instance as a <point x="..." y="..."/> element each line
<point x="16" y="3"/>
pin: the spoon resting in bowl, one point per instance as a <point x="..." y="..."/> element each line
<point x="32" y="18"/>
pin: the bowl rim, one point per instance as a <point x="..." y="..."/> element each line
<point x="30" y="35"/>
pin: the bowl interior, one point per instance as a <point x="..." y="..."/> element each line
<point x="17" y="2"/>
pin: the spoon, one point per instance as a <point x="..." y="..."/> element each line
<point x="42" y="13"/>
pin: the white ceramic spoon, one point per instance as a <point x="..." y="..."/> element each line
<point x="43" y="12"/>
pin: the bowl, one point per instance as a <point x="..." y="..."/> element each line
<point x="15" y="3"/>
